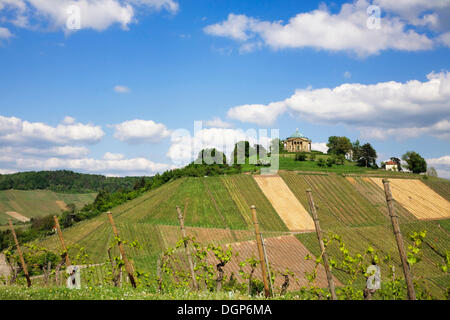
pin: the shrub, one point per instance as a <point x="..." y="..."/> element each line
<point x="300" y="156"/>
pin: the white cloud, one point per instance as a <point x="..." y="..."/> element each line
<point x="14" y="131"/>
<point x="442" y="165"/>
<point x="68" y="120"/>
<point x="9" y="125"/>
<point x="320" y="29"/>
<point x="121" y="89"/>
<point x="132" y="166"/>
<point x="379" y="110"/>
<point x="113" y="156"/>
<point x="417" y="12"/>
<point x="257" y="113"/>
<point x="235" y="27"/>
<point x="445" y="39"/>
<point x="319" y="146"/>
<point x="95" y="14"/>
<point x="140" y="131"/>
<point x="5" y="33"/>
<point x="217" y="123"/>
<point x="184" y="148"/>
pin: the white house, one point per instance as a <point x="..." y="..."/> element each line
<point x="391" y="166"/>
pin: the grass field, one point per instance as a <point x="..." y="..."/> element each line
<point x="38" y="203"/>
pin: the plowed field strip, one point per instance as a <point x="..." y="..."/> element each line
<point x="417" y="198"/>
<point x="285" y="203"/>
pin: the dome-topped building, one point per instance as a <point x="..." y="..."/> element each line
<point x="297" y="142"/>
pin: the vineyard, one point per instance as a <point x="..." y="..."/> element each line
<point x="219" y="227"/>
<point x="38" y="203"/>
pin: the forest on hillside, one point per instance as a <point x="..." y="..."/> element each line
<point x="65" y="181"/>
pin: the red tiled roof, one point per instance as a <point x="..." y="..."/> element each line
<point x="391" y="163"/>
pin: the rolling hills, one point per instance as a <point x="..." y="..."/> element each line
<point x="217" y="210"/>
<point x="37" y="203"/>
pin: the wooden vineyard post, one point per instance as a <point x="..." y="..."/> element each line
<point x="267" y="264"/>
<point x="321" y="244"/>
<point x="122" y="251"/>
<point x="22" y="261"/>
<point x="261" y="252"/>
<point x="61" y="239"/>
<point x="399" y="240"/>
<point x="186" y="248"/>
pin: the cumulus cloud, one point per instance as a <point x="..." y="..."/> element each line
<point x="217" y="123"/>
<point x="442" y="165"/>
<point x="14" y="131"/>
<point x="346" y="30"/>
<point x="5" y="33"/>
<point x="113" y="156"/>
<point x="185" y="147"/>
<point x="319" y="146"/>
<point x="257" y="113"/>
<point x="378" y="110"/>
<point x="132" y="166"/>
<point x="419" y="12"/>
<point x="94" y="14"/>
<point x="121" y="89"/>
<point x="140" y="131"/>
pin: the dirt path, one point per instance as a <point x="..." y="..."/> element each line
<point x="61" y="204"/>
<point x="17" y="216"/>
<point x="290" y="210"/>
<point x="419" y="199"/>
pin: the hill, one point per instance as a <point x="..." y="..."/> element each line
<point x="38" y="203"/>
<point x="217" y="210"/>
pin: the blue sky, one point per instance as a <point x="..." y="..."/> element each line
<point x="107" y="98"/>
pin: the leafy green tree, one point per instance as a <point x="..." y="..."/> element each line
<point x="312" y="156"/>
<point x="274" y="143"/>
<point x="368" y="156"/>
<point x="339" y="145"/>
<point x="260" y="151"/>
<point x="331" y="161"/>
<point x="414" y="162"/>
<point x="321" y="162"/>
<point x="300" y="156"/>
<point x="211" y="156"/>
<point x="356" y="150"/>
<point x="239" y="147"/>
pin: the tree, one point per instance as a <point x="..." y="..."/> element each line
<point x="274" y="143"/>
<point x="312" y="157"/>
<point x="300" y="156"/>
<point x="321" y="162"/>
<point x="414" y="162"/>
<point x="339" y="145"/>
<point x="367" y="156"/>
<point x="260" y="151"/>
<point x="211" y="156"/>
<point x="356" y="148"/>
<point x="432" y="172"/>
<point x="242" y="151"/>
